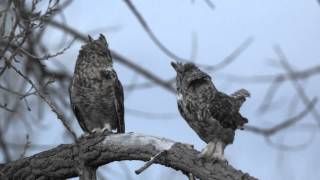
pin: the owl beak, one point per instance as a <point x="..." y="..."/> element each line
<point x="174" y="65"/>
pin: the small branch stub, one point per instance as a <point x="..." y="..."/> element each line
<point x="150" y="162"/>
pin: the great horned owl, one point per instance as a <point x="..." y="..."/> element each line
<point x="213" y="115"/>
<point x="96" y="94"/>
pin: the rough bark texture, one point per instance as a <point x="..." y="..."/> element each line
<point x="66" y="160"/>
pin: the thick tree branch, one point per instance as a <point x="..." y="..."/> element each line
<point x="99" y="149"/>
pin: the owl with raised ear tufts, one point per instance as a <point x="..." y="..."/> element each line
<point x="212" y="114"/>
<point x="96" y="94"/>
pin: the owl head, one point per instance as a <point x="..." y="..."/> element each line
<point x="100" y="43"/>
<point x="96" y="48"/>
<point x="187" y="73"/>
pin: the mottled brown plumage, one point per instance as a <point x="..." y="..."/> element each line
<point x="96" y="94"/>
<point x="213" y="115"/>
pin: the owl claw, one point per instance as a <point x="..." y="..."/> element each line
<point x="106" y="127"/>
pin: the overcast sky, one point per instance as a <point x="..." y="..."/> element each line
<point x="294" y="25"/>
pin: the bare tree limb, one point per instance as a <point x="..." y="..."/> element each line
<point x="231" y="57"/>
<point x="121" y="59"/>
<point x="99" y="149"/>
<point x="305" y="99"/>
<point x="153" y="37"/>
<point x="298" y="74"/>
<point x="48" y="101"/>
<point x="285" y="124"/>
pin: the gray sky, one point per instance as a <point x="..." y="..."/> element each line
<point x="294" y="25"/>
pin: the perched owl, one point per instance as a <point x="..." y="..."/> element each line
<point x="213" y="115"/>
<point x="96" y="94"/>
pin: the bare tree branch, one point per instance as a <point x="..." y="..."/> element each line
<point x="121" y="59"/>
<point x="99" y="149"/>
<point x="285" y="124"/>
<point x="303" y="74"/>
<point x="305" y="99"/>
<point x="151" y="34"/>
<point x="48" y="101"/>
<point x="231" y="57"/>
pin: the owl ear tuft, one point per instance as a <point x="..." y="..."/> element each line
<point x="90" y="38"/>
<point x="103" y="39"/>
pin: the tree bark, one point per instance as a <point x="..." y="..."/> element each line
<point x="88" y="173"/>
<point x="101" y="148"/>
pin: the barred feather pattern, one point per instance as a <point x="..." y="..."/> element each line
<point x="212" y="114"/>
<point x="96" y="94"/>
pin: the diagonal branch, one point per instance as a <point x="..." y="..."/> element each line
<point x="285" y="124"/>
<point x="231" y="57"/>
<point x="151" y="34"/>
<point x="48" y="101"/>
<point x="305" y="99"/>
<point x="121" y="59"/>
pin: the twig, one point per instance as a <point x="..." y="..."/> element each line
<point x="150" y="162"/>
<point x="297" y="147"/>
<point x="26" y="146"/>
<point x="285" y="124"/>
<point x="305" y="99"/>
<point x="210" y="4"/>
<point x="303" y="74"/>
<point x="266" y="102"/>
<point x="231" y="57"/>
<point x="48" y="56"/>
<point x="4" y="148"/>
<point x="48" y="101"/>
<point x="121" y="59"/>
<point x="6" y="108"/>
<point x="225" y="62"/>
<point x="153" y="37"/>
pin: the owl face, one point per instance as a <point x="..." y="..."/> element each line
<point x="184" y="71"/>
<point x="98" y="44"/>
<point x="96" y="50"/>
<point x="188" y="74"/>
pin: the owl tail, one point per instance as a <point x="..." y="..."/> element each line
<point x="241" y="95"/>
<point x="241" y="122"/>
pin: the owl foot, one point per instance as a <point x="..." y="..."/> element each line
<point x="106" y="127"/>
<point x="213" y="151"/>
<point x="207" y="151"/>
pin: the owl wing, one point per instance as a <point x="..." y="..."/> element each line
<point x="77" y="112"/>
<point x="119" y="105"/>
<point x="80" y="118"/>
<point x="222" y="109"/>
